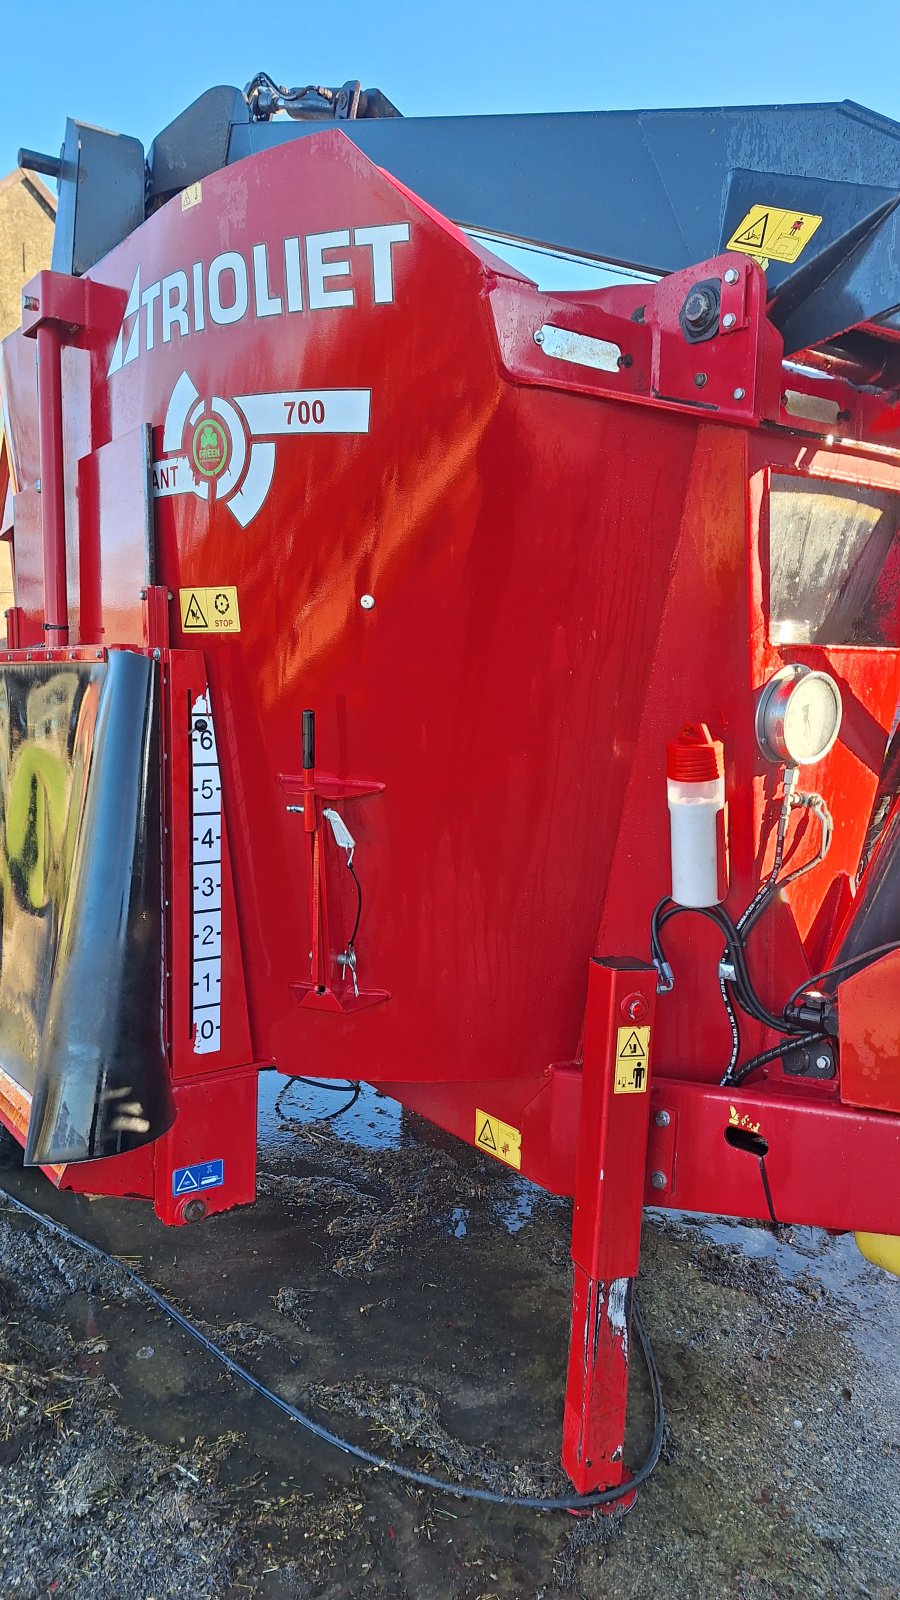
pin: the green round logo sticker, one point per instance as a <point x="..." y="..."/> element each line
<point x="209" y="447"/>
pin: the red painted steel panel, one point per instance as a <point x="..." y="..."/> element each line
<point x="564" y="562"/>
<point x="115" y="533"/>
<point x="828" y="1165"/>
<point x="869" y="1015"/>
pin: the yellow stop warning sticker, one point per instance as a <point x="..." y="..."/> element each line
<point x="632" y="1061"/>
<point x="774" y="233"/>
<point x="212" y="610"/>
<point x="498" y="1139"/>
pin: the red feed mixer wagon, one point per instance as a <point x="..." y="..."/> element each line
<point x="567" y="622"/>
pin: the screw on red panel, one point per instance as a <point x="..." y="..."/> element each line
<point x="635" y="1007"/>
<point x="193" y="1210"/>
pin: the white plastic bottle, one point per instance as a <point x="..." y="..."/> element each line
<point x="695" y="780"/>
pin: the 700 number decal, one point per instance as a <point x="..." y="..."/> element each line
<point x="300" y="413"/>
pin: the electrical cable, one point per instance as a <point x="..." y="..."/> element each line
<point x="351" y="942"/>
<point x="424" y="1480"/>
<point x="768" y="1192"/>
<point x="863" y="958"/>
<point x="346" y="1086"/>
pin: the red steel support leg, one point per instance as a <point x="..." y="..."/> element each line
<point x="53" y="513"/>
<point x="606" y="1229"/>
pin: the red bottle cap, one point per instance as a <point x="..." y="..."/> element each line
<point x="695" y="757"/>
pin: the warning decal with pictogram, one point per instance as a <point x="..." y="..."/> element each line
<point x="213" y="610"/>
<point x="632" y="1061"/>
<point x="499" y="1139"/>
<point x="193" y="613"/>
<point x="774" y="234"/>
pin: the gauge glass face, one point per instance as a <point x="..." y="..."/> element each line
<point x="812" y="717"/>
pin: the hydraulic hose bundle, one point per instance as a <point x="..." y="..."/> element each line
<point x="808" y="1016"/>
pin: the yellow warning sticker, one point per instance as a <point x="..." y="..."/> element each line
<point x="498" y="1139"/>
<point x="632" y="1060"/>
<point x="771" y="232"/>
<point x="210" y="610"/>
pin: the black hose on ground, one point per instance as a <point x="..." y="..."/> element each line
<point x="423" y="1480"/>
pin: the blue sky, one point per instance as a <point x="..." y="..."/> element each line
<point x="133" y="67"/>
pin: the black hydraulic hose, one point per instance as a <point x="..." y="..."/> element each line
<point x="424" y="1480"/>
<point x="762" y="1060"/>
<point x="744" y="991"/>
<point x="741" y="984"/>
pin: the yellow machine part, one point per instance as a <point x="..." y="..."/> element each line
<point x="882" y="1248"/>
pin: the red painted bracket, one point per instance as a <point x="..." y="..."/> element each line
<point x="326" y="787"/>
<point x="321" y="992"/>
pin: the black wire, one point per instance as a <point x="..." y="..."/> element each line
<point x="745" y="993"/>
<point x="424" y="1480"/>
<point x="352" y="871"/>
<point x="862" y="958"/>
<point x="768" y="1192"/>
<point x="736" y="935"/>
<point x="346" y="1086"/>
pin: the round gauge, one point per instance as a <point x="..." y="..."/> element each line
<point x="798" y="717"/>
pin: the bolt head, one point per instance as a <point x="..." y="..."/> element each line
<point x="539" y="337"/>
<point x="658" y="1180"/>
<point x="194" y="1210"/>
<point x="367" y="601"/>
<point x="739" y="394"/>
<point x="662" y="1119"/>
<point x="698" y="308"/>
<point x="732" y="275"/>
<point x="729" y="319"/>
<point x="700" y="380"/>
<point x="822" y="1062"/>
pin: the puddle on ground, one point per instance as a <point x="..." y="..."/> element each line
<point x="374" y="1122"/>
<point x="415" y="1296"/>
<point x="865" y="1298"/>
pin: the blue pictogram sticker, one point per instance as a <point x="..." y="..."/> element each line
<point x="204" y="1175"/>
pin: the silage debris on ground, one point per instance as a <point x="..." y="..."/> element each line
<point x="380" y="1198"/>
<point x="405" y="1417"/>
<point x="755" y="1509"/>
<point x="88" y="1510"/>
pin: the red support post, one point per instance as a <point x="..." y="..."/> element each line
<point x="53" y="504"/>
<point x="155" y="602"/>
<point x="606" y="1226"/>
<point x="59" y="309"/>
<point x="15" y="617"/>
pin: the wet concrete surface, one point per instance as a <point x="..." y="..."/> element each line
<point x="415" y="1296"/>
